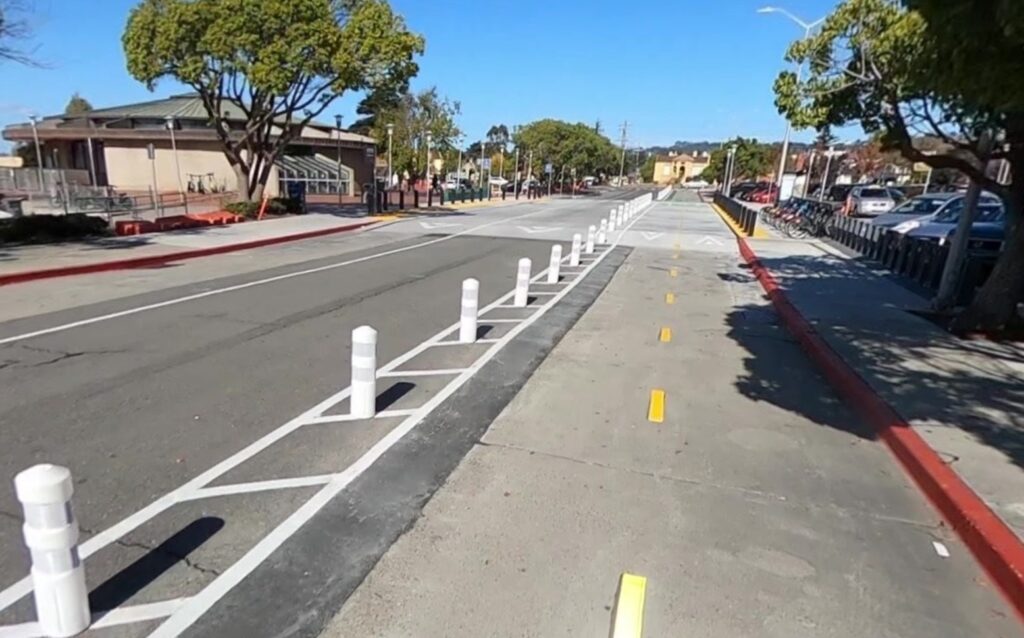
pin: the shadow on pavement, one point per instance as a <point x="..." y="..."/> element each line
<point x="929" y="376"/>
<point x="394" y="392"/>
<point x="132" y="579"/>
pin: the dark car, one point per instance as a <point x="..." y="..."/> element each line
<point x="741" y="189"/>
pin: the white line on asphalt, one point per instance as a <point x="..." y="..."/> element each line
<point x="120" y="616"/>
<point x="23" y="587"/>
<point x="249" y="284"/>
<point x="420" y="373"/>
<point x="940" y="549"/>
<point x="257" y="486"/>
<point x="486" y="321"/>
<point x="228" y="579"/>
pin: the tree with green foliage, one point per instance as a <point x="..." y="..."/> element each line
<point x="77" y="105"/>
<point x="571" y="145"/>
<point x="647" y="168"/>
<point x="413" y="115"/>
<point x="753" y="159"/>
<point x="920" y="69"/>
<point x="282" y="62"/>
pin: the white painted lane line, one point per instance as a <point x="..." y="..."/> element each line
<point x="543" y="292"/>
<point x="500" y="321"/>
<point x="390" y="414"/>
<point x="249" y="284"/>
<point x="23" y="587"/>
<point x="257" y="486"/>
<point x="420" y="373"/>
<point x="113" y="618"/>
<point x="204" y="600"/>
<point x="940" y="549"/>
<point x="477" y="342"/>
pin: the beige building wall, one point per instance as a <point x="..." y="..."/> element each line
<point x="129" y="166"/>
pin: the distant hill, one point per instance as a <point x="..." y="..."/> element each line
<point x="691" y="147"/>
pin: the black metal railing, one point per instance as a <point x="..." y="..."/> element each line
<point x="745" y="218"/>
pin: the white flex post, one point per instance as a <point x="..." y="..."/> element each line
<point x="522" y="283"/>
<point x="601" y="233"/>
<point x="468" y="313"/>
<point x="555" y="264"/>
<point x="364" y="372"/>
<point x="611" y="222"/>
<point x="574" y="256"/>
<point x="51" y="533"/>
<point x="591" y="236"/>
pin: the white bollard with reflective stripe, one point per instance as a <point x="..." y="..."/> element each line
<point x="591" y="236"/>
<point x="574" y="256"/>
<point x="468" y="312"/>
<point x="51" y="533"/>
<point x="602" y="232"/>
<point x="555" y="264"/>
<point x="522" y="283"/>
<point x="364" y="372"/>
<point x="611" y="222"/>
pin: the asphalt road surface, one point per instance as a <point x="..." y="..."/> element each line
<point x="224" y="490"/>
<point x="155" y="385"/>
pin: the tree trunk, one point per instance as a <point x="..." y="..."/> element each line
<point x="242" y="181"/>
<point x="995" y="305"/>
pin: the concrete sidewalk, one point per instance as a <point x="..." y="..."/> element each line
<point x="758" y="507"/>
<point x="965" y="398"/>
<point x="26" y="258"/>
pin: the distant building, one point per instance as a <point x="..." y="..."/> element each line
<point x="110" y="147"/>
<point x="679" y="167"/>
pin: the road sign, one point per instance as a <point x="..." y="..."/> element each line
<point x="485" y="164"/>
<point x="573" y="171"/>
<point x="549" y="168"/>
<point x="371" y="152"/>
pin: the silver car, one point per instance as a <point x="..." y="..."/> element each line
<point x="870" y="201"/>
<point x="914" y="208"/>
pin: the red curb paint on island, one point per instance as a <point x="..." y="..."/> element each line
<point x="159" y="260"/>
<point x="992" y="542"/>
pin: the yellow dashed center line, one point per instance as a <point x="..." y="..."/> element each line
<point x="670" y="298"/>
<point x="656" y="410"/>
<point x="665" y="335"/>
<point x="673" y="272"/>
<point x="628" y="616"/>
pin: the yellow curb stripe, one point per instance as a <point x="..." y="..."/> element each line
<point x="728" y="221"/>
<point x="665" y="335"/>
<point x="656" y="410"/>
<point x="670" y="298"/>
<point x="628" y="616"/>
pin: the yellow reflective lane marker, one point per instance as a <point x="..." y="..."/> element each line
<point x="628" y="615"/>
<point x="675" y="256"/>
<point x="656" y="411"/>
<point x="670" y="298"/>
<point x="665" y="335"/>
<point x="673" y="272"/>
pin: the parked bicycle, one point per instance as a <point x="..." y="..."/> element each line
<point x="800" y="218"/>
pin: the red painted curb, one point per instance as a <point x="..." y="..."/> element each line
<point x="992" y="542"/>
<point x="157" y="260"/>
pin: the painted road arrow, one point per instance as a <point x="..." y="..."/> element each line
<point x="533" y="230"/>
<point x="708" y="239"/>
<point x="651" y="236"/>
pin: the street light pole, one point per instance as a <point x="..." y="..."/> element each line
<point x="810" y="172"/>
<point x="39" y="153"/>
<point x="730" y="170"/>
<point x="429" y="183"/>
<point x="177" y="164"/>
<point x="480" y="176"/>
<point x="807" y="27"/>
<point x="391" y="132"/>
<point x="828" y="168"/>
<point x="337" y="123"/>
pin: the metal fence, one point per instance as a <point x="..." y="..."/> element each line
<point x="745" y="218"/>
<point x="918" y="259"/>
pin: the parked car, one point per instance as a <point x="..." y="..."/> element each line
<point x="740" y="189"/>
<point x="765" y="195"/>
<point x="989" y="222"/>
<point x="920" y="206"/>
<point x="697" y="184"/>
<point x="870" y="201"/>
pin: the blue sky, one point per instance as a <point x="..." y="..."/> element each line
<point x="676" y="69"/>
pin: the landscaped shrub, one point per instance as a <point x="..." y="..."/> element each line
<point x="39" y="229"/>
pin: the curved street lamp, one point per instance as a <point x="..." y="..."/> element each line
<point x="807" y="27"/>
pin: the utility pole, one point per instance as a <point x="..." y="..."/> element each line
<point x="622" y="162"/>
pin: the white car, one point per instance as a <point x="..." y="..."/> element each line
<point x="696" y="184"/>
